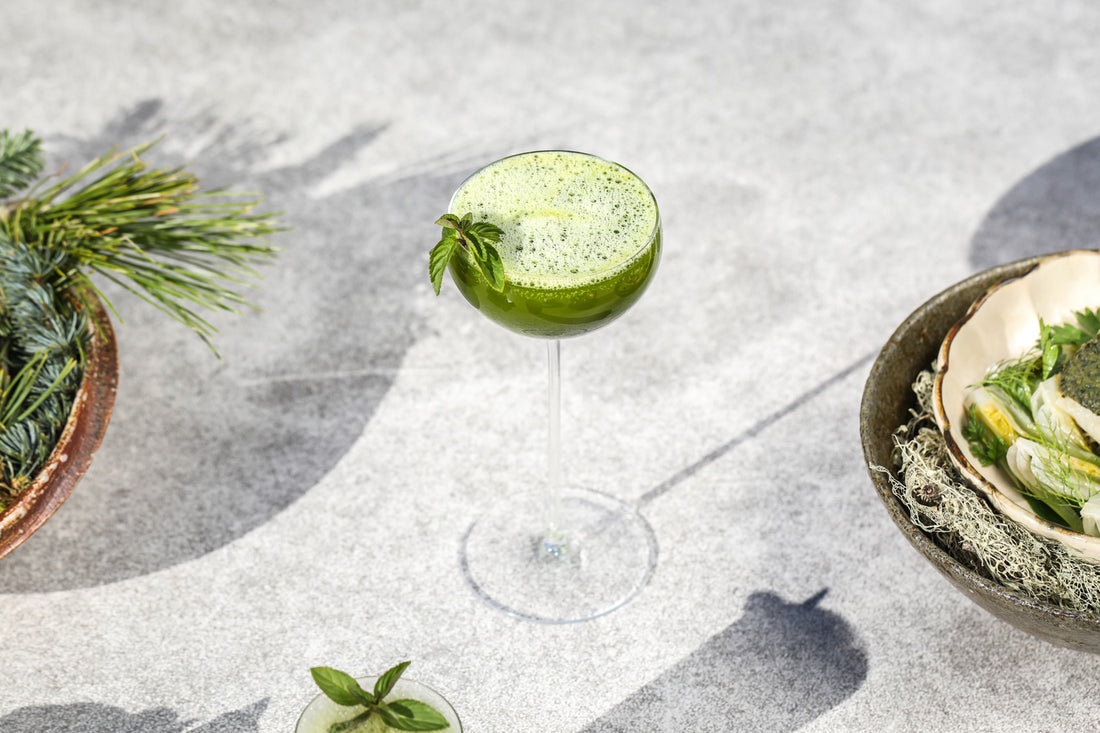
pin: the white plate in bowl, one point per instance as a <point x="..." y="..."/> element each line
<point x="1004" y="324"/>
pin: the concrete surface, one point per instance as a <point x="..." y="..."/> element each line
<point x="822" y="169"/>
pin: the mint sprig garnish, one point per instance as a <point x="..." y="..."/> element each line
<point x="477" y="238"/>
<point x="405" y="714"/>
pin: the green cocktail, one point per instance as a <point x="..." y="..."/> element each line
<point x="581" y="240"/>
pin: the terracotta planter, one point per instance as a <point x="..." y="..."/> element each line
<point x="79" y="440"/>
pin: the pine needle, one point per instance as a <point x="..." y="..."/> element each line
<point x="20" y="161"/>
<point x="152" y="231"/>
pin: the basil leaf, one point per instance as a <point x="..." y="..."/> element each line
<point x="417" y="715"/>
<point x="398" y="707"/>
<point x="388" y="679"/>
<point x="391" y="718"/>
<point x="350" y="725"/>
<point x="339" y="687"/>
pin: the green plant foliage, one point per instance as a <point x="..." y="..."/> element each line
<point x="20" y="161"/>
<point x="152" y="231"/>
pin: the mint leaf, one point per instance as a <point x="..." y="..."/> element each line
<point x="440" y="256"/>
<point x="477" y="238"/>
<point x="340" y="687"/>
<point x="417" y="715"/>
<point x="388" y="679"/>
<point x="450" y="221"/>
<point x="486" y="231"/>
<point x="474" y="245"/>
<point x="492" y="268"/>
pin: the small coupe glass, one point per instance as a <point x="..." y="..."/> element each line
<point x="321" y="712"/>
<point x="565" y="554"/>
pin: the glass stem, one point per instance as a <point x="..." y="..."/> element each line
<point x="553" y="446"/>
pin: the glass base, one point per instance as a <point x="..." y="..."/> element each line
<point x="602" y="561"/>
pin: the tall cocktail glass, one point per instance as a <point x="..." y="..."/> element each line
<point x="581" y="241"/>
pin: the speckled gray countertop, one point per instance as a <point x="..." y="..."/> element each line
<point x="822" y="169"/>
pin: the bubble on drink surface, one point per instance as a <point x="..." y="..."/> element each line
<point x="566" y="217"/>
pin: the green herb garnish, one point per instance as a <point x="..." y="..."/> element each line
<point x="1017" y="379"/>
<point x="1014" y="421"/>
<point x="985" y="444"/>
<point x="1050" y="353"/>
<point x="406" y="714"/>
<point x="1088" y="325"/>
<point x="477" y="238"/>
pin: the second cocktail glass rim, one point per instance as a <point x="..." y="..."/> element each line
<point x="599" y="274"/>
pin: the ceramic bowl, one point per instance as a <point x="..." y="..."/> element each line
<point x="887" y="400"/>
<point x="79" y="440"/>
<point x="1003" y="324"/>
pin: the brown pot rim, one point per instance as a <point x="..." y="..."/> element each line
<point x="79" y="440"/>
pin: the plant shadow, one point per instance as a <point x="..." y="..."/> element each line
<point x="778" y="667"/>
<point x="94" y="718"/>
<point x="200" y="452"/>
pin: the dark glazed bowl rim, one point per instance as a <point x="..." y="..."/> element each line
<point x="887" y="399"/>
<point x="79" y="440"/>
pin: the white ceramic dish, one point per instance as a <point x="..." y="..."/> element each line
<point x="1004" y="324"/>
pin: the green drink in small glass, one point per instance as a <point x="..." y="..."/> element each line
<point x="581" y="239"/>
<point x="580" y="242"/>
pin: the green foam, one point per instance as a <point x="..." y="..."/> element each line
<point x="567" y="217"/>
